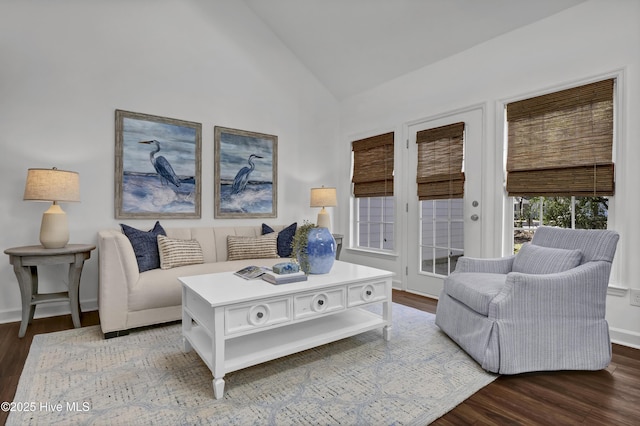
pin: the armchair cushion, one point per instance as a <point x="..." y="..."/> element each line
<point x="534" y="259"/>
<point x="474" y="290"/>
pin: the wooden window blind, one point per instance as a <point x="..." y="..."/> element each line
<point x="373" y="166"/>
<point x="440" y="155"/>
<point x="561" y="144"/>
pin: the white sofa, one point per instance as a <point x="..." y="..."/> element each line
<point x="129" y="299"/>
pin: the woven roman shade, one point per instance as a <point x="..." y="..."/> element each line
<point x="373" y="166"/>
<point x="440" y="154"/>
<point x="561" y="144"/>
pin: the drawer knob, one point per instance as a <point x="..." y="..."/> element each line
<point x="368" y="292"/>
<point x="259" y="314"/>
<point x="320" y="302"/>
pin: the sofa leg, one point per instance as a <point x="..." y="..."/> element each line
<point x="113" y="334"/>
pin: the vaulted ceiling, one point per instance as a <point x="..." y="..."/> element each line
<point x="354" y="45"/>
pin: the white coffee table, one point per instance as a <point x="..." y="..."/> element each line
<point x="233" y="323"/>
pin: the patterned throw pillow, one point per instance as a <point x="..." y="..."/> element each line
<point x="145" y="245"/>
<point x="285" y="238"/>
<point x="533" y="259"/>
<point x="174" y="253"/>
<point x="263" y="247"/>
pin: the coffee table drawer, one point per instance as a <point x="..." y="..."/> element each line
<point x="318" y="303"/>
<point x="366" y="293"/>
<point x="243" y="318"/>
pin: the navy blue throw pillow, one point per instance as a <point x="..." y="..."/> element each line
<point x="285" y="238"/>
<point x="145" y="245"/>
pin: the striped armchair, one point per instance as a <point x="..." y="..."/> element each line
<point x="540" y="310"/>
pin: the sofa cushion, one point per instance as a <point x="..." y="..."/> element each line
<point x="534" y="259"/>
<point x="145" y="245"/>
<point x="285" y="238"/>
<point x="261" y="247"/>
<point x="175" y="252"/>
<point x="475" y="290"/>
<point x="160" y="288"/>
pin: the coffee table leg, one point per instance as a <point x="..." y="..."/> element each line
<point x="186" y="346"/>
<point x="218" y="387"/>
<point x="386" y="332"/>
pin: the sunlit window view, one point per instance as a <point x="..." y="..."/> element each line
<point x="563" y="212"/>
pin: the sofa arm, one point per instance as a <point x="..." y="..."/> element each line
<point x="118" y="273"/>
<point x="494" y="266"/>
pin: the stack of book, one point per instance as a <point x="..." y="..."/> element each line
<point x="273" y="278"/>
<point x="251" y="272"/>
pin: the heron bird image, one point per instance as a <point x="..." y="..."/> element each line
<point x="242" y="177"/>
<point x="162" y="165"/>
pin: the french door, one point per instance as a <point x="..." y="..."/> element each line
<point x="440" y="231"/>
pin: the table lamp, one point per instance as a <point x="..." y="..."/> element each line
<point x="56" y="186"/>
<point x="323" y="197"/>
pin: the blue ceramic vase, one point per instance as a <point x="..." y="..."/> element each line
<point x="321" y="250"/>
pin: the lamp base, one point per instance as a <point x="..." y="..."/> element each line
<point x="324" y="220"/>
<point x="54" y="230"/>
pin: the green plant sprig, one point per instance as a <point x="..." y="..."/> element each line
<point x="299" y="246"/>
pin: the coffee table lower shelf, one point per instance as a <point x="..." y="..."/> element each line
<point x="256" y="348"/>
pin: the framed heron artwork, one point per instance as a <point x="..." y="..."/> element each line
<point x="246" y="174"/>
<point x="158" y="167"/>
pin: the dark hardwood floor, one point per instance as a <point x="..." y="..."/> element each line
<point x="607" y="397"/>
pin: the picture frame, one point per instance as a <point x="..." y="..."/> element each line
<point x="246" y="174"/>
<point x="158" y="167"/>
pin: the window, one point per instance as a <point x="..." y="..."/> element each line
<point x="564" y="212"/>
<point x="440" y="178"/>
<point x="373" y="162"/>
<point x="375" y="222"/>
<point x="560" y="167"/>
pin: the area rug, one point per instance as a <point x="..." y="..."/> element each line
<point x="77" y="377"/>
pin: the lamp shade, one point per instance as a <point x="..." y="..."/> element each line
<point x="52" y="185"/>
<point x="323" y="197"/>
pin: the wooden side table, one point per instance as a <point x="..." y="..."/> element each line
<point x="338" y="238"/>
<point x="25" y="261"/>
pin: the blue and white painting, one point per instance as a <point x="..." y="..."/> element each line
<point x="246" y="173"/>
<point x="160" y="167"/>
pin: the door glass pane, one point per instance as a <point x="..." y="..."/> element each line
<point x="442" y="232"/>
<point x="442" y="261"/>
<point x="427" y="260"/>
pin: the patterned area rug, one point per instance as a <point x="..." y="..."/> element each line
<point x="78" y="377"/>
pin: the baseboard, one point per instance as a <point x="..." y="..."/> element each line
<point x="48" y="310"/>
<point x="625" y="337"/>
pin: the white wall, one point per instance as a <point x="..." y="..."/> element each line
<point x="68" y="65"/>
<point x="583" y="42"/>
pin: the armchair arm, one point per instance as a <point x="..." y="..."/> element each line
<point x="495" y="265"/>
<point x="580" y="291"/>
<point x="552" y="322"/>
